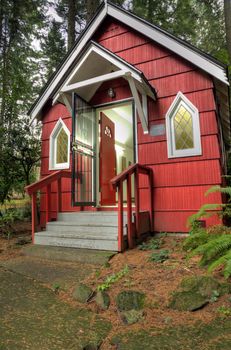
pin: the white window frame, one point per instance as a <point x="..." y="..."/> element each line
<point x="182" y="100"/>
<point x="53" y="146"/>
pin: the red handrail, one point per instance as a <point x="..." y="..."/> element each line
<point x="117" y="183"/>
<point x="37" y="186"/>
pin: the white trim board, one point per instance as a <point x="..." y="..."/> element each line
<point x="139" y="25"/>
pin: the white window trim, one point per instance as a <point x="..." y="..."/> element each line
<point x="181" y="99"/>
<point x="53" y="146"/>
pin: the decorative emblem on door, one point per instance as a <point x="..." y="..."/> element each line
<point x="107" y="131"/>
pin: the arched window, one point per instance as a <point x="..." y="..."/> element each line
<point x="59" y="147"/>
<point x="183" y="128"/>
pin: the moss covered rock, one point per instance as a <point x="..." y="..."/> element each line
<point x="82" y="293"/>
<point x="187" y="301"/>
<point x="102" y="300"/>
<point x="197" y="291"/>
<point x="130" y="300"/>
<point x="132" y="316"/>
<point x="205" y="285"/>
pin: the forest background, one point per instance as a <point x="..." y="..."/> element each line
<point x="35" y="35"/>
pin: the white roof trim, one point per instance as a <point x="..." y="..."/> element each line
<point x="125" y="70"/>
<point x="150" y="31"/>
<point x="189" y="54"/>
<point x="67" y="63"/>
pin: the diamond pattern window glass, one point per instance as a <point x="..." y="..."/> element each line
<point x="61" y="147"/>
<point x="183" y="128"/>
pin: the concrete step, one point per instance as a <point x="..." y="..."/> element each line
<point x="98" y="244"/>
<point x="78" y="235"/>
<point x="59" y="226"/>
<point x="91" y="218"/>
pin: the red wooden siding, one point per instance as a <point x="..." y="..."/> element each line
<point x="49" y="121"/>
<point x="179" y="183"/>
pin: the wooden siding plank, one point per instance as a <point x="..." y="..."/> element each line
<point x="203" y="100"/>
<point x="124" y="41"/>
<point x="143" y="53"/>
<point x="156" y="153"/>
<point x="179" y="198"/>
<point x="177" y="221"/>
<point x="208" y="126"/>
<point x="185" y="174"/>
<point x="55" y="113"/>
<point x="164" y="67"/>
<point x="110" y="29"/>
<point x="184" y="82"/>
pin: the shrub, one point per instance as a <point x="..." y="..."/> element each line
<point x="7" y="220"/>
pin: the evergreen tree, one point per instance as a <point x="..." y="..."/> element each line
<point x="227" y="12"/>
<point x="53" y="48"/>
<point x="20" y="24"/>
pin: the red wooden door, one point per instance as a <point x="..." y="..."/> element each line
<point x="107" y="160"/>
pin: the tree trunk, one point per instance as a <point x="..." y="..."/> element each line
<point x="91" y="8"/>
<point x="227" y="8"/>
<point x="71" y="23"/>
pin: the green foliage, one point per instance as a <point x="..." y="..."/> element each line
<point x="207" y="210"/>
<point x="159" y="256"/>
<point x="214" y="297"/>
<point x="7" y="220"/>
<point x="214" y="250"/>
<point x="152" y="244"/>
<point x="115" y="277"/>
<point x="196" y="239"/>
<point x="224" y="311"/>
<point x="178" y="17"/>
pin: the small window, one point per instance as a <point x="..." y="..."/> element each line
<point x="183" y="128"/>
<point x="59" y="147"/>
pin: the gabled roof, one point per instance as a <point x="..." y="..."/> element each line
<point x="95" y="65"/>
<point x="183" y="49"/>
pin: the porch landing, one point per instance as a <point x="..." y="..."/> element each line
<point x="90" y="230"/>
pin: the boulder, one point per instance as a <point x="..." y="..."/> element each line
<point x="187" y="301"/>
<point x="197" y="291"/>
<point x="130" y="300"/>
<point x="205" y="285"/>
<point x="131" y="316"/>
<point x="82" y="293"/>
<point x="102" y="300"/>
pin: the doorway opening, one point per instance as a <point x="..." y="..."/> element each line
<point x="116" y="148"/>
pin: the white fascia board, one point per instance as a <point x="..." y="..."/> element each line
<point x="208" y="66"/>
<point x="87" y="36"/>
<point x="124" y="71"/>
<point x="95" y="80"/>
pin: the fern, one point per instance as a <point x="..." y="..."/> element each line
<point x="227" y="270"/>
<point x="195" y="240"/>
<point x="224" y="190"/>
<point x="213" y="249"/>
<point x="205" y="211"/>
<point x="224" y="260"/>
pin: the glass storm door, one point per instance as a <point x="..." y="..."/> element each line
<point x="83" y="153"/>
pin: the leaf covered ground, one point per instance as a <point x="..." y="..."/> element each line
<point x="33" y="313"/>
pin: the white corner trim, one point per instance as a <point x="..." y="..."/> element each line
<point x="52" y="146"/>
<point x="140" y="110"/>
<point x="181" y="99"/>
